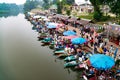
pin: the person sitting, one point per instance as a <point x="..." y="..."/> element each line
<point x="67" y="49"/>
<point x="79" y="55"/>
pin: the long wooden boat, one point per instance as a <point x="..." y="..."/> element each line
<point x="70" y="58"/>
<point x="71" y="64"/>
<point x="58" y="52"/>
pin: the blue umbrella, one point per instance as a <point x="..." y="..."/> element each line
<point x="78" y="40"/>
<point x="69" y="33"/>
<point x="51" y="26"/>
<point x="102" y="62"/>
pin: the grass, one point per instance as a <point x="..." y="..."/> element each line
<point x="89" y="16"/>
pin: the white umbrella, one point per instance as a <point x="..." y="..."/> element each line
<point x="37" y="16"/>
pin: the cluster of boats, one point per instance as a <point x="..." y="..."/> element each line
<point x="50" y="34"/>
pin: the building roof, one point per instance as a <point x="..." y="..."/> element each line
<point x="83" y="21"/>
<point x="72" y="19"/>
<point x="74" y="4"/>
<point x="84" y="4"/>
<point x="78" y="2"/>
<point x="53" y="7"/>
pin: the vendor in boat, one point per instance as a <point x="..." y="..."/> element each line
<point x="79" y="55"/>
<point x="72" y="49"/>
<point x="67" y="50"/>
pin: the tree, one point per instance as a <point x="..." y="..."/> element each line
<point x="46" y="4"/>
<point x="70" y="2"/>
<point x="62" y="5"/>
<point x="30" y="4"/>
<point x="97" y="11"/>
<point x="115" y="7"/>
<point x="68" y="12"/>
<point x="59" y="7"/>
<point x="54" y="1"/>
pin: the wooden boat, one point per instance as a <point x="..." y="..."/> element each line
<point x="51" y="46"/>
<point x="70" y="58"/>
<point x="57" y="52"/>
<point x="42" y="36"/>
<point x="71" y="64"/>
<point x="59" y="47"/>
<point x="62" y="56"/>
<point x="34" y="28"/>
<point x="46" y="40"/>
<point x="52" y="43"/>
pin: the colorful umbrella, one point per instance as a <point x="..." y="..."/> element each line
<point x="102" y="62"/>
<point x="68" y="33"/>
<point x="78" y="40"/>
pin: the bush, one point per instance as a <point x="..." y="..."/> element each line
<point x="68" y="12"/>
<point x="104" y="18"/>
<point x="119" y="22"/>
<point x="100" y="30"/>
<point x="97" y="15"/>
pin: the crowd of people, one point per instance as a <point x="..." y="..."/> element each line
<point x="95" y="43"/>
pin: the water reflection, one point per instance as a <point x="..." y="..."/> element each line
<point x="14" y="13"/>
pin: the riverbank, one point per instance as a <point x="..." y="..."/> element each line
<point x="78" y="32"/>
<point x="112" y="19"/>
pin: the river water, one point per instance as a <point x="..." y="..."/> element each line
<point x="23" y="58"/>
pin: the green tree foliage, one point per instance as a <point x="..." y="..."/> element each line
<point x="54" y="1"/>
<point x="46" y="4"/>
<point x="97" y="12"/>
<point x="9" y="8"/>
<point x="97" y="15"/>
<point x="70" y="2"/>
<point x="59" y="7"/>
<point x="61" y="4"/>
<point x="4" y="7"/>
<point x="68" y="12"/>
<point x="30" y="4"/>
<point x="115" y="6"/>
